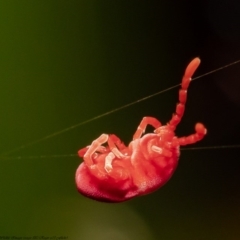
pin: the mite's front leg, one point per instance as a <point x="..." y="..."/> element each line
<point x="193" y="138"/>
<point x="143" y="124"/>
<point x="177" y="116"/>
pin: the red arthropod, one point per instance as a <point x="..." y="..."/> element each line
<point x="116" y="173"/>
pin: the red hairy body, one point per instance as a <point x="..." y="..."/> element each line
<point x="116" y="173"/>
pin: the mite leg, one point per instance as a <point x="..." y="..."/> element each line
<point x="108" y="162"/>
<point x="117" y="148"/>
<point x="143" y="124"/>
<point x="116" y="145"/>
<point x="164" y="152"/>
<point x="200" y="133"/>
<point x="116" y="140"/>
<point x="82" y="151"/>
<point x="96" y="145"/>
<point x="177" y="116"/>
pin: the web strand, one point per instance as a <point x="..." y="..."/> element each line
<point x="5" y="154"/>
<point x="76" y="155"/>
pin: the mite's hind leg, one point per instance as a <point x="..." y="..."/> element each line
<point x="143" y="124"/>
<point x="193" y="138"/>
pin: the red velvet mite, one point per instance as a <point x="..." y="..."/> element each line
<point x="116" y="173"/>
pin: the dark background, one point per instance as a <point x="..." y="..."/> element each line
<point x="64" y="62"/>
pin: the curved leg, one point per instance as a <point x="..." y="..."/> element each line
<point x="191" y="68"/>
<point x="96" y="144"/>
<point x="200" y="132"/>
<point x="82" y="151"/>
<point x="162" y="151"/>
<point x="116" y="145"/>
<point x="116" y="140"/>
<point x="108" y="162"/>
<point x="143" y="124"/>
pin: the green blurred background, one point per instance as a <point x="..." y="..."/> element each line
<point x="64" y="62"/>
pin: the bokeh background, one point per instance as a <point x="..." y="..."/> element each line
<point x="64" y="62"/>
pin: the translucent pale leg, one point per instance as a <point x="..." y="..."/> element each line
<point x="93" y="148"/>
<point x="191" y="68"/>
<point x="143" y="124"/>
<point x="162" y="151"/>
<point x="193" y="138"/>
<point x="108" y="162"/>
<point x="82" y="151"/>
<point x="115" y="145"/>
